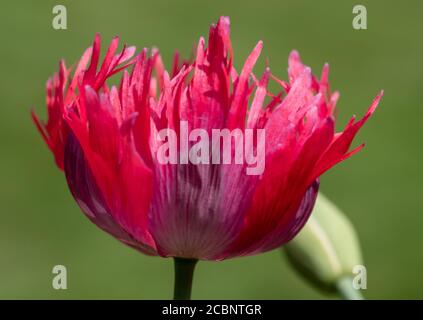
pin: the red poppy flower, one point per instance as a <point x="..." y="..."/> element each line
<point x="105" y="140"/>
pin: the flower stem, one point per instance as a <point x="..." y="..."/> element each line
<point x="184" y="271"/>
<point x="346" y="290"/>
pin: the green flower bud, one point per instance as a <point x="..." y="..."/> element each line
<point x="326" y="250"/>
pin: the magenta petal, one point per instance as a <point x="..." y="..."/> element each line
<point x="198" y="210"/>
<point x="288" y="229"/>
<point x="89" y="198"/>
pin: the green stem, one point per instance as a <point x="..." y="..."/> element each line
<point x="346" y="290"/>
<point x="184" y="271"/>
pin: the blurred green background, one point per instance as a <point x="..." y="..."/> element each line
<point x="380" y="188"/>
